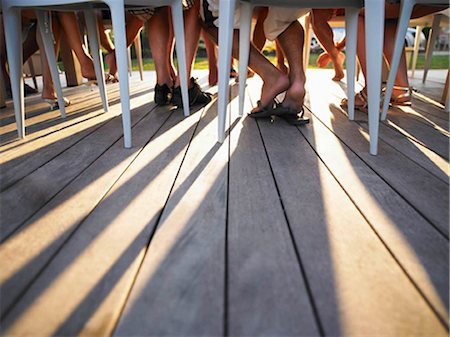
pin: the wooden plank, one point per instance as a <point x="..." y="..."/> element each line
<point x="39" y="238"/>
<point x="358" y="287"/>
<point x="424" y="191"/>
<point x="416" y="152"/>
<point x="421" y="251"/>
<point x="26" y="197"/>
<point x="266" y="291"/>
<point x="38" y="116"/>
<point x="427" y="134"/>
<point x="25" y="158"/>
<point x="180" y="286"/>
<point x="83" y="288"/>
<point x="429" y="110"/>
<point x="86" y="103"/>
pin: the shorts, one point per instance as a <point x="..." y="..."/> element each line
<point x="278" y="18"/>
<point x="145" y="13"/>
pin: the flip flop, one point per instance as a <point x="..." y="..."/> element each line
<point x="264" y="111"/>
<point x="291" y="116"/>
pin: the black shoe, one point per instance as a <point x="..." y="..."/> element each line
<point x="163" y="94"/>
<point x="196" y="95"/>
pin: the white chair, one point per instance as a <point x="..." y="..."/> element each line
<point x="435" y="21"/>
<point x="406" y="8"/>
<point x="11" y="13"/>
<point x="374" y="33"/>
<point x="2" y="91"/>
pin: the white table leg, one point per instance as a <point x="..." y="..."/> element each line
<point x="374" y="22"/>
<point x="226" y="20"/>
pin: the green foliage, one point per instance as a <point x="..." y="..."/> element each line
<point x="437" y="62"/>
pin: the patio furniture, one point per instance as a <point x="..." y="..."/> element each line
<point x="406" y="8"/>
<point x="374" y="33"/>
<point x="11" y="12"/>
<point x="436" y="20"/>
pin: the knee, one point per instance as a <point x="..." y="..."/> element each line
<point x="321" y="17"/>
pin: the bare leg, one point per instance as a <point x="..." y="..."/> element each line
<point x="48" y="90"/>
<point x="192" y="29"/>
<point x="259" y="38"/>
<point x="275" y="81"/>
<point x="134" y="26"/>
<point x="324" y="33"/>
<point x="290" y="40"/>
<point x="105" y="40"/>
<point x="69" y="24"/>
<point x="280" y="58"/>
<point x="160" y="44"/>
<point x="211" y="51"/>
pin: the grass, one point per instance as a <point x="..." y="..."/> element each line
<point x="437" y="62"/>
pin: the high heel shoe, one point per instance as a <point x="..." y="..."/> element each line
<point x="54" y="103"/>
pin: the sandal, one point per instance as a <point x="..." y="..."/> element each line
<point x="264" y="111"/>
<point x="362" y="97"/>
<point x="53" y="102"/>
<point x="290" y="115"/>
<point x="400" y="99"/>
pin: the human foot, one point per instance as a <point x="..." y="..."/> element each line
<point x="401" y="96"/>
<point x="272" y="89"/>
<point x="110" y="60"/>
<point x="87" y="70"/>
<point x="323" y="60"/>
<point x="361" y="101"/>
<point x="338" y="67"/>
<point x="294" y="96"/>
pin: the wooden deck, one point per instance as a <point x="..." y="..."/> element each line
<point x="279" y="231"/>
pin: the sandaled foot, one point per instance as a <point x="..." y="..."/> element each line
<point x="361" y="102"/>
<point x="401" y="96"/>
<point x="53" y="102"/>
<point x="291" y="116"/>
<point x="263" y="111"/>
<point x="273" y="88"/>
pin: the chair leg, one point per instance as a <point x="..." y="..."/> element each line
<point x="226" y="10"/>
<point x="32" y="72"/>
<point x="178" y="27"/>
<point x="138" y="48"/>
<point x="92" y="28"/>
<point x="416" y="49"/>
<point x="307" y="42"/>
<point x="405" y="14"/>
<point x="374" y="33"/>
<point x="44" y="23"/>
<point x="129" y="62"/>
<point x="118" y="23"/>
<point x="244" y="50"/>
<point x="431" y="43"/>
<point x="351" y="27"/>
<point x="2" y="91"/>
<point x="13" y="29"/>
<point x="445" y="94"/>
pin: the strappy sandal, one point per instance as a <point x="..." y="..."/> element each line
<point x="400" y="99"/>
<point x="362" y="97"/>
<point x="291" y="116"/>
<point x="264" y="111"/>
